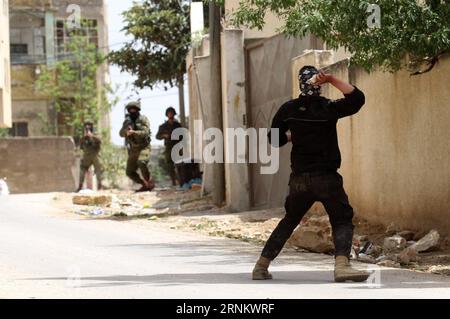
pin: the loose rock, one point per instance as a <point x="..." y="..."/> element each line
<point x="407" y="256"/>
<point x="313" y="238"/>
<point x="92" y="200"/>
<point x="429" y="242"/>
<point x="366" y="258"/>
<point x="394" y="243"/>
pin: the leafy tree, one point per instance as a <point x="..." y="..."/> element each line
<point x="113" y="159"/>
<point x="156" y="54"/>
<point x="71" y="84"/>
<point x="4" y="132"/>
<point x="410" y="33"/>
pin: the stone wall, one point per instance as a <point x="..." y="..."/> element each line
<point x="37" y="165"/>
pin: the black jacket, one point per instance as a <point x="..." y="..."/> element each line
<point x="312" y="121"/>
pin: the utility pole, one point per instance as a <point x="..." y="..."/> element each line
<point x="218" y="192"/>
<point x="181" y="101"/>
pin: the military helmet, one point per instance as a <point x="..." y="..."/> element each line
<point x="88" y="124"/>
<point x="133" y="104"/>
<point x="171" y="109"/>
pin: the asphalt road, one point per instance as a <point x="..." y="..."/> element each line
<point x="49" y="253"/>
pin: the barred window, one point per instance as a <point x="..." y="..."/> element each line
<point x="88" y="29"/>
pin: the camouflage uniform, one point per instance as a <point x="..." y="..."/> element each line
<point x="167" y="128"/>
<point x="138" y="148"/>
<point x="91" y="148"/>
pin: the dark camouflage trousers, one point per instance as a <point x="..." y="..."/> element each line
<point x="86" y="163"/>
<point x="304" y="190"/>
<point x="169" y="164"/>
<point x="138" y="159"/>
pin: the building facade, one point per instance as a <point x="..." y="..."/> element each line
<point x="38" y="36"/>
<point x="5" y="74"/>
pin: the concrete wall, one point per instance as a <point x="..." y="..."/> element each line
<point x="36" y="113"/>
<point x="33" y="165"/>
<point x="272" y="23"/>
<point x="234" y="112"/>
<point x="5" y="73"/>
<point x="269" y="79"/>
<point x="199" y="73"/>
<point x="395" y="150"/>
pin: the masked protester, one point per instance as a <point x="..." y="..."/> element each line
<point x="164" y="133"/>
<point x="90" y="145"/>
<point x="315" y="159"/>
<point x="136" y="131"/>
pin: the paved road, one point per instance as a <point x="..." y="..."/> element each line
<point x="47" y="253"/>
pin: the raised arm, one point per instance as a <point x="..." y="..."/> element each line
<point x="353" y="99"/>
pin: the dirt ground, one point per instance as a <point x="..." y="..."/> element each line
<point x="188" y="211"/>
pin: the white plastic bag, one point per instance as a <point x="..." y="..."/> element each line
<point x="4" y="190"/>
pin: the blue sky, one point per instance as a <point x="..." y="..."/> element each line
<point x="154" y="102"/>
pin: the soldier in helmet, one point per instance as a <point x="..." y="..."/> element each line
<point x="90" y="144"/>
<point x="164" y="133"/>
<point x="136" y="131"/>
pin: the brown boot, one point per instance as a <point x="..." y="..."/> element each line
<point x="343" y="271"/>
<point x="260" y="272"/>
<point x="150" y="184"/>
<point x="142" y="189"/>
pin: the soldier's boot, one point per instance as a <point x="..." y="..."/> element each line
<point x="173" y="177"/>
<point x="260" y="271"/>
<point x="144" y="188"/>
<point x="99" y="186"/>
<point x="343" y="271"/>
<point x="150" y="184"/>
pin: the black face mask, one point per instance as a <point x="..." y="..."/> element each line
<point x="307" y="89"/>
<point x="134" y="116"/>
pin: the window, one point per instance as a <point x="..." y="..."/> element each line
<point x="88" y="30"/>
<point x="19" y="129"/>
<point x="28" y="44"/>
<point x="19" y="48"/>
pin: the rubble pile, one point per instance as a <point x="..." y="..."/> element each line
<point x="122" y="204"/>
<point x="98" y="205"/>
<point x="397" y="249"/>
<point x="393" y="249"/>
